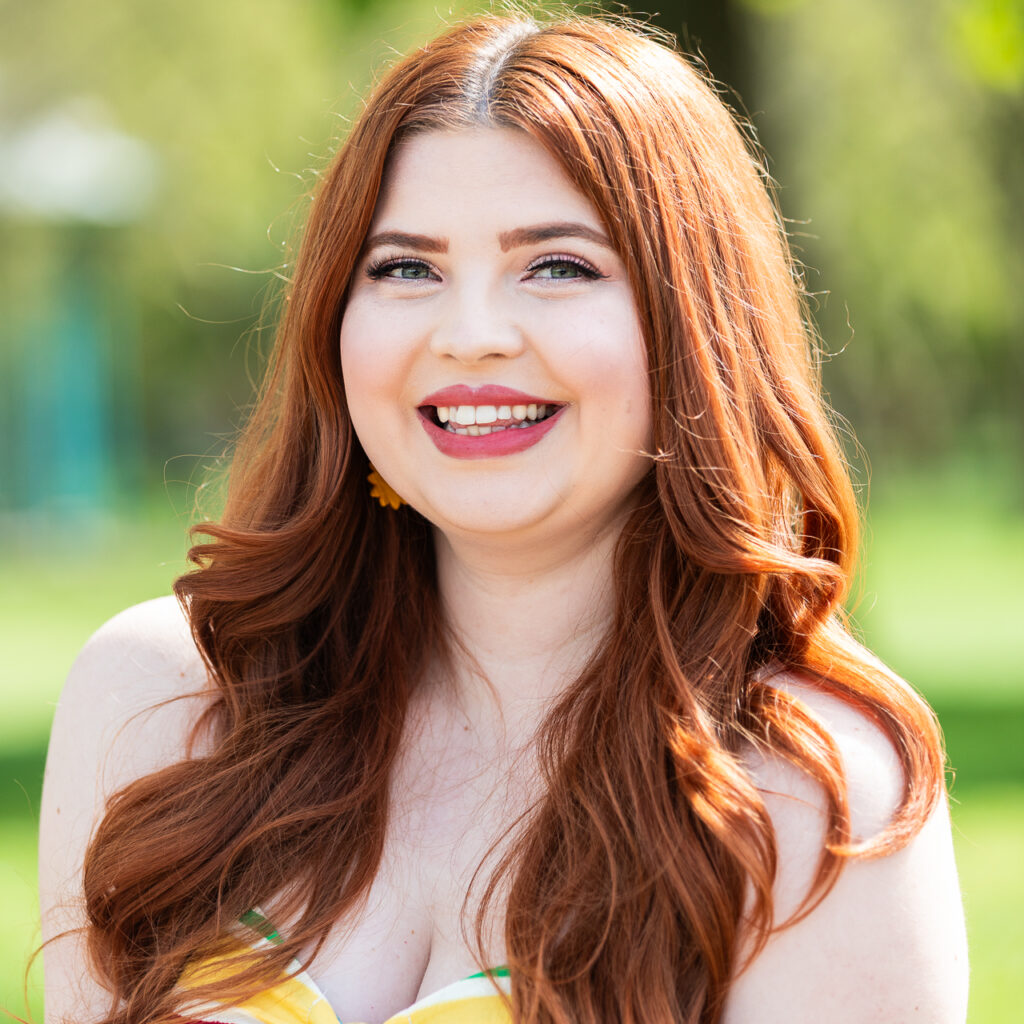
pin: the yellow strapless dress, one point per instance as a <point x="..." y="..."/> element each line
<point x="298" y="1000"/>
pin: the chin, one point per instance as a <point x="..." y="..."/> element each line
<point x="467" y="524"/>
<point x="466" y="515"/>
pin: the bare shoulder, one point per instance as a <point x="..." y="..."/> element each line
<point x="874" y="776"/>
<point x="152" y="638"/>
<point x="887" y="943"/>
<point x="135" y="690"/>
<point x="127" y="709"/>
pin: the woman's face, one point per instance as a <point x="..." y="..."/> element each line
<point x="493" y="360"/>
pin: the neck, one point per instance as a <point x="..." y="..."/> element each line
<point x="526" y="620"/>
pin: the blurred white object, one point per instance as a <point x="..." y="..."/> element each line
<point x="71" y="163"/>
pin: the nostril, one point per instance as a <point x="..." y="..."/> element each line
<point x="477" y="340"/>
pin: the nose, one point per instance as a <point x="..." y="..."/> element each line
<point x="476" y="324"/>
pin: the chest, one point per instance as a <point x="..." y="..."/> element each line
<point x="452" y="801"/>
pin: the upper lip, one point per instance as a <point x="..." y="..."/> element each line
<point x="487" y="394"/>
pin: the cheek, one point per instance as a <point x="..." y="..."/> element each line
<point x="378" y="345"/>
<point x="355" y="373"/>
<point x="609" y="366"/>
<point x="372" y="372"/>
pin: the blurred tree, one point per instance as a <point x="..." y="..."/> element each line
<point x="883" y="146"/>
<point x="238" y="105"/>
<point x="894" y="131"/>
<point x="895" y="134"/>
<point x="988" y="37"/>
<point x="715" y="32"/>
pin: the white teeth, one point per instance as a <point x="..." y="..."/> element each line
<point x="477" y="420"/>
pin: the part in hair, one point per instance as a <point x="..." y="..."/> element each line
<point x="649" y="861"/>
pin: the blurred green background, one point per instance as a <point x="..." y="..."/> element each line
<point x="154" y="159"/>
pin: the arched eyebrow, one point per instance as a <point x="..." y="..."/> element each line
<point x="546" y="232"/>
<point x="404" y="240"/>
<point x="507" y="239"/>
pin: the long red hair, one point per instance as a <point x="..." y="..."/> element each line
<point x="626" y="884"/>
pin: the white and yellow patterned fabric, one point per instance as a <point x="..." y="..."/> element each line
<point x="298" y="1000"/>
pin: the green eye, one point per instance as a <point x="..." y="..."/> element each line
<point x="409" y="270"/>
<point x="559" y="270"/>
<point x="400" y="270"/>
<point x="562" y="268"/>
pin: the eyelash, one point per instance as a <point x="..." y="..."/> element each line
<point x="382" y="266"/>
<point x="587" y="269"/>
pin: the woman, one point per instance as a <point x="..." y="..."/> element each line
<point x="578" y="710"/>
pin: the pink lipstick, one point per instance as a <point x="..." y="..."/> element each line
<point x="486" y="422"/>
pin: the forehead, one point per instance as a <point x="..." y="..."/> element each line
<point x="486" y="177"/>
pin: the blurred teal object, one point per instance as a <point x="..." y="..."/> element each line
<point x="72" y="172"/>
<point x="67" y="454"/>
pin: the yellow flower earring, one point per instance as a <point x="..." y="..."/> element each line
<point x="383" y="491"/>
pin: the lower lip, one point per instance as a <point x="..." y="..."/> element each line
<point x="488" y="446"/>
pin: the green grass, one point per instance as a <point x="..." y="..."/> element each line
<point x="941" y="602"/>
<point x="989" y="839"/>
<point x="18" y="898"/>
<point x="57" y="587"/>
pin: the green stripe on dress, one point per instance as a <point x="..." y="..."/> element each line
<point x="258" y="923"/>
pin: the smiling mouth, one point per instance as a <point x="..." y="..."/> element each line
<point x="480" y="420"/>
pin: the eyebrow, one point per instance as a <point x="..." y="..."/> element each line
<point x="507" y="239"/>
<point x="404" y="240"/>
<point x="545" y="232"/>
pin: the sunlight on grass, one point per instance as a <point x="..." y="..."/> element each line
<point x="21" y="929"/>
<point x="941" y="600"/>
<point x="54" y="595"/>
<point x="54" y="592"/>
<point x="989" y="838"/>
